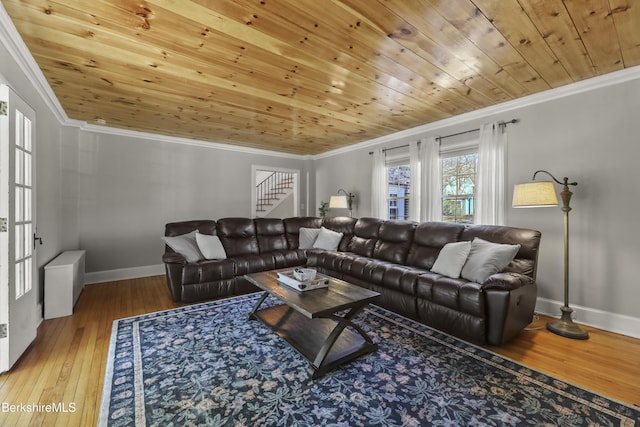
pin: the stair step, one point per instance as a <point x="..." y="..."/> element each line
<point x="273" y="190"/>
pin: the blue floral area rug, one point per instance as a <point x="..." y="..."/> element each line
<point x="208" y="365"/>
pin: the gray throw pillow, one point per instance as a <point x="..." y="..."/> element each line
<point x="307" y="237"/>
<point x="451" y="259"/>
<point x="487" y="258"/>
<point x="185" y="245"/>
<point x="210" y="246"/>
<point x="328" y="239"/>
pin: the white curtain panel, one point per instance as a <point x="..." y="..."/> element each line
<point x="379" y="185"/>
<point x="431" y="188"/>
<point x="415" y="193"/>
<point x="491" y="195"/>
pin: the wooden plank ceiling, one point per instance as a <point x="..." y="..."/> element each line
<point x="308" y="76"/>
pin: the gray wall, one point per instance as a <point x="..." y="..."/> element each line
<point x="129" y="188"/>
<point x="591" y="137"/>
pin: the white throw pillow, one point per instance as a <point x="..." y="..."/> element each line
<point x="451" y="259"/>
<point x="185" y="245"/>
<point x="487" y="258"/>
<point x="210" y="246"/>
<point x="328" y="239"/>
<point x="307" y="237"/>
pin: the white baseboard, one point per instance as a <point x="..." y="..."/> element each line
<point x="617" y="323"/>
<point x="124" y="274"/>
<point x="612" y="322"/>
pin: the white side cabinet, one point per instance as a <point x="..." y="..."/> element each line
<point x="63" y="282"/>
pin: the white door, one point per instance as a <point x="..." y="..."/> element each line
<point x="18" y="272"/>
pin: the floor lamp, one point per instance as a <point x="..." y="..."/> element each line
<point x="542" y="194"/>
<point x="342" y="202"/>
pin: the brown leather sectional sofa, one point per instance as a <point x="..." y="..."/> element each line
<point x="390" y="257"/>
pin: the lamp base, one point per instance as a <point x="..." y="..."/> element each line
<point x="565" y="326"/>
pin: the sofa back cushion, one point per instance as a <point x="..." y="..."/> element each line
<point x="204" y="226"/>
<point x="394" y="241"/>
<point x="429" y="238"/>
<point x="292" y="228"/>
<point x="238" y="236"/>
<point x="526" y="259"/>
<point x="341" y="224"/>
<point x="270" y="233"/>
<point x="365" y="236"/>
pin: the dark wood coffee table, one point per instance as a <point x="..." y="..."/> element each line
<point x="313" y="322"/>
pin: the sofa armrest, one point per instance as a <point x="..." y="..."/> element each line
<point x="173" y="258"/>
<point x="506" y="281"/>
<point x="174" y="265"/>
<point x="511" y="302"/>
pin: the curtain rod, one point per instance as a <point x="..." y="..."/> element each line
<point x="440" y="138"/>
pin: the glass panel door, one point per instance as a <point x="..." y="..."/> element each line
<point x="18" y="300"/>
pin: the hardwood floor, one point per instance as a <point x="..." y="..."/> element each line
<point x="65" y="365"/>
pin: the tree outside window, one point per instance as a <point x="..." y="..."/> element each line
<point x="458" y="188"/>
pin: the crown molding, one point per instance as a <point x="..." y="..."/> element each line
<point x="13" y="42"/>
<point x="15" y="45"/>
<point x="154" y="137"/>
<point x="10" y="37"/>
<point x="610" y="79"/>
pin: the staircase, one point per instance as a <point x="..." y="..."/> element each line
<point x="272" y="190"/>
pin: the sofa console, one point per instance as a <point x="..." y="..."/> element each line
<point x="475" y="282"/>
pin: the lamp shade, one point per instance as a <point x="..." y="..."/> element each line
<point x="534" y="195"/>
<point x="338" y="202"/>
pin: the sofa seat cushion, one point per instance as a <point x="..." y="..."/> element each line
<point x="288" y="258"/>
<point x="364" y="268"/>
<point x="253" y="264"/>
<point x="370" y="270"/>
<point x="457" y="294"/>
<point x="208" y="271"/>
<point x="401" y="278"/>
<point x="354" y="265"/>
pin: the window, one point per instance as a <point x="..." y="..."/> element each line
<point x="455" y="187"/>
<point x="399" y="188"/>
<point x="458" y="187"/>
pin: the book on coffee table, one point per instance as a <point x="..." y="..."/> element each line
<point x="286" y="278"/>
